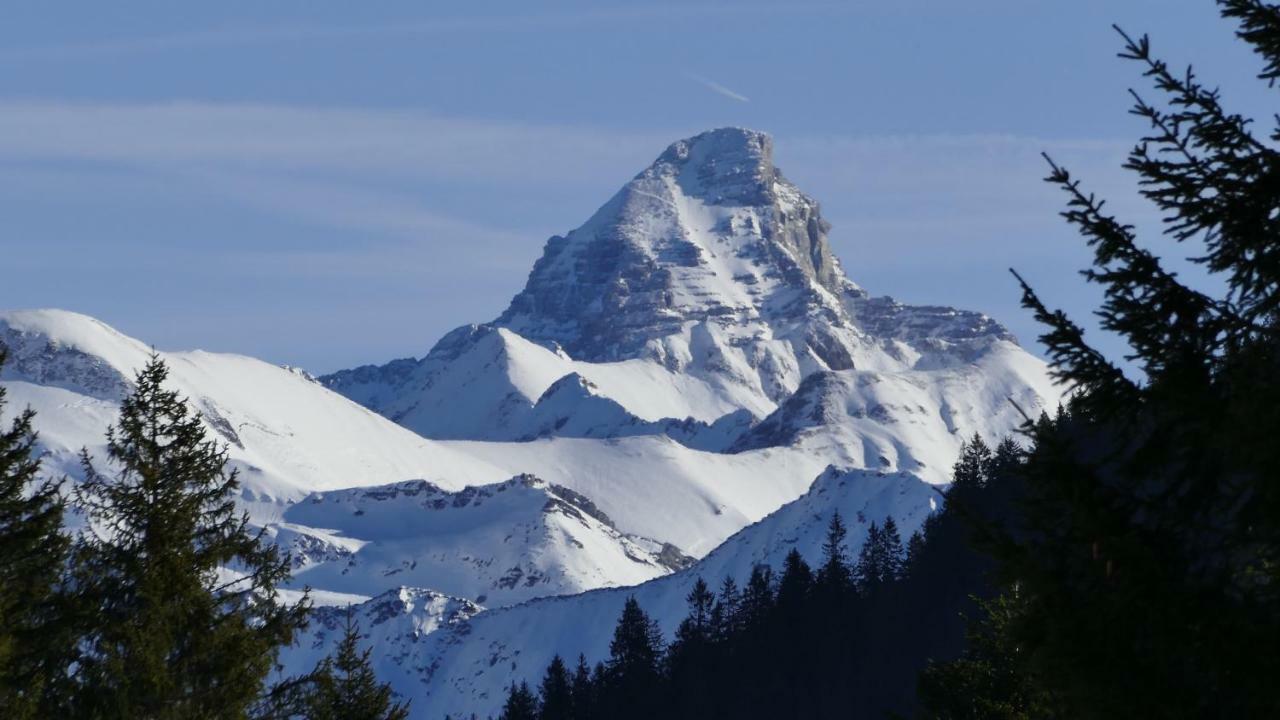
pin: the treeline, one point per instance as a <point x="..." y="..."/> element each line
<point x="165" y="605"/>
<point x="844" y="639"/>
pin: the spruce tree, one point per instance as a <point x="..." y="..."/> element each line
<point x="868" y="570"/>
<point x="634" y="669"/>
<point x="757" y="598"/>
<point x="727" y="613"/>
<point x="915" y="546"/>
<point x="795" y="585"/>
<point x="893" y="556"/>
<point x="636" y="648"/>
<point x="989" y="681"/>
<point x="35" y="638"/>
<point x="521" y="704"/>
<point x="583" y="690"/>
<point x="690" y="659"/>
<point x="556" y="692"/>
<point x="344" y="686"/>
<point x="970" y="470"/>
<point x="181" y="590"/>
<point x="835" y="575"/>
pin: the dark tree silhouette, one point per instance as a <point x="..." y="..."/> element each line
<point x="1146" y="555"/>
<point x="36" y="640"/>
<point x="521" y="704"/>
<point x="344" y="686"/>
<point x="556" y="692"/>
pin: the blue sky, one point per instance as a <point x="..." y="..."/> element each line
<point x="330" y="183"/>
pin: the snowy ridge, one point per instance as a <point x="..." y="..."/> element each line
<point x="496" y="544"/>
<point x="489" y="383"/>
<point x="290" y="437"/>
<point x="398" y="622"/>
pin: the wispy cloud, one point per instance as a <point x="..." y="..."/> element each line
<point x="524" y="23"/>
<point x="717" y="88"/>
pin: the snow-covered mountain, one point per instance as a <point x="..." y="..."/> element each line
<point x="469" y="662"/>
<point x="293" y="441"/>
<point x="692" y="304"/>
<point x="665" y="389"/>
<point x="494" y="544"/>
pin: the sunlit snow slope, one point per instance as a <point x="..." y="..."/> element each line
<point x="297" y="444"/>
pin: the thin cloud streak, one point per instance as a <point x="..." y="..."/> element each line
<point x="717" y="88"/>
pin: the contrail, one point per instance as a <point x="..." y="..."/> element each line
<point x="717" y="88"/>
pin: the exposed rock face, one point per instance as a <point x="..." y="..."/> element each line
<point x="710" y="231"/>
<point x="36" y="358"/>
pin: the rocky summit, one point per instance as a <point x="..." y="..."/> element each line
<point x="709" y="266"/>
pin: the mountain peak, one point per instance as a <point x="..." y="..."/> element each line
<point x="709" y="234"/>
<point x="728" y="165"/>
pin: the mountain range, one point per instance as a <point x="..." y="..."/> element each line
<point x="687" y="385"/>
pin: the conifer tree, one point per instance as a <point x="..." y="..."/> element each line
<point x="867" y="571"/>
<point x="795" y="585"/>
<point x="893" y="557"/>
<point x="690" y="661"/>
<point x="181" y="590"/>
<point x="635" y="665"/>
<point x="556" y="692"/>
<point x="726" y="615"/>
<point x="582" y="690"/>
<point x="915" y="546"/>
<point x="757" y="598"/>
<point x="988" y="681"/>
<point x="1147" y="551"/>
<point x="835" y="575"/>
<point x="35" y="637"/>
<point x="970" y="470"/>
<point x="521" y="704"/>
<point x="696" y="628"/>
<point x="344" y="686"/>
<point x="1005" y="459"/>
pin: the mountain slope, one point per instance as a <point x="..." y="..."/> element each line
<point x="466" y="665"/>
<point x="290" y="437"/>
<point x="287" y="434"/>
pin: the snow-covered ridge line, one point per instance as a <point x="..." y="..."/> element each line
<point x="495" y="544"/>
<point x="290" y="437"/>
